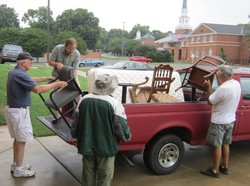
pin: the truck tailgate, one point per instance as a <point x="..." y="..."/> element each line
<point x="60" y="128"/>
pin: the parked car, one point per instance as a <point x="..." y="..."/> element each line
<point x="91" y="62"/>
<point x="9" y="53"/>
<point x="129" y="65"/>
<point x="141" y="59"/>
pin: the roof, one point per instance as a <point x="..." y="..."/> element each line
<point x="171" y="38"/>
<point x="148" y="36"/>
<point x="224" y="29"/>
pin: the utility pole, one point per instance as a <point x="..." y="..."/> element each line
<point x="123" y="38"/>
<point x="48" y="30"/>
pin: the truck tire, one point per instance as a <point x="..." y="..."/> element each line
<point x="164" y="154"/>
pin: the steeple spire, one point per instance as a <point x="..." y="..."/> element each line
<point x="184" y="4"/>
<point x="184" y="19"/>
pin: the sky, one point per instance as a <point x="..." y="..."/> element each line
<point x="162" y="15"/>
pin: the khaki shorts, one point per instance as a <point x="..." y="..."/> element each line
<point x="19" y="123"/>
<point x="219" y="134"/>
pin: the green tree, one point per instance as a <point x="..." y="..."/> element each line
<point x="142" y="50"/>
<point x="131" y="45"/>
<point x="247" y="32"/>
<point x="8" y="17"/>
<point x="9" y="35"/>
<point x="38" y="18"/>
<point x="103" y="40"/>
<point x="34" y="41"/>
<point x="117" y="33"/>
<point x="115" y="46"/>
<point x="159" y="35"/>
<point x="143" y="29"/>
<point x="223" y="55"/>
<point x="82" y="22"/>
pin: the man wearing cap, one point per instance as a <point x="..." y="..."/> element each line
<point x="17" y="114"/>
<point x="100" y="125"/>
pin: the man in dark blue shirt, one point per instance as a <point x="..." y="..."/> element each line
<point x="17" y="115"/>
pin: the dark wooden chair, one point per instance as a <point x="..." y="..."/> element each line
<point x="203" y="69"/>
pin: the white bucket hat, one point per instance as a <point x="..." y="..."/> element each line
<point x="105" y="84"/>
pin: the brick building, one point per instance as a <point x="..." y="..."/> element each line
<point x="206" y="39"/>
<point x="210" y="39"/>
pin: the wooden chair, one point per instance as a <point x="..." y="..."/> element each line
<point x="162" y="79"/>
<point x="195" y="75"/>
<point x="60" y="97"/>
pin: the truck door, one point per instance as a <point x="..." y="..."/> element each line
<point x="242" y="127"/>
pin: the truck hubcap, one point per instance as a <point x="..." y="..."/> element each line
<point x="168" y="155"/>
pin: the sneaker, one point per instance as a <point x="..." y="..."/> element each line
<point x="210" y="172"/>
<point x="24" y="173"/>
<point x="12" y="167"/>
<point x="223" y="170"/>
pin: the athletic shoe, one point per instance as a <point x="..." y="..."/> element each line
<point x="223" y="170"/>
<point x="23" y="173"/>
<point x="210" y="172"/>
<point x="12" y="167"/>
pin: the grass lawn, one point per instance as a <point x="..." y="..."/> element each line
<point x="37" y="106"/>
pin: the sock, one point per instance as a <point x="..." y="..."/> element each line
<point x="214" y="171"/>
<point x="18" y="168"/>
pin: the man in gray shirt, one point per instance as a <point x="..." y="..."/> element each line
<point x="65" y="54"/>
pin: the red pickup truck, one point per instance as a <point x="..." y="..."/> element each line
<point x="159" y="130"/>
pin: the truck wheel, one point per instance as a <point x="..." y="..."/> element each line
<point x="81" y="65"/>
<point x="163" y="155"/>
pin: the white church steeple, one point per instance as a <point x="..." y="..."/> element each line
<point x="183" y="20"/>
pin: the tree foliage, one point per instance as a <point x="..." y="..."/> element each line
<point x="131" y="45"/>
<point x="142" y="50"/>
<point x="34" y="41"/>
<point x="159" y="35"/>
<point x="38" y="18"/>
<point x="8" y="17"/>
<point x="78" y="23"/>
<point x="10" y="35"/>
<point x="82" y="22"/>
<point x="143" y="29"/>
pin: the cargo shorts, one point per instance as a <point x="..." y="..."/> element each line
<point x="219" y="134"/>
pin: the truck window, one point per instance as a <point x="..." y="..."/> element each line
<point x="245" y="88"/>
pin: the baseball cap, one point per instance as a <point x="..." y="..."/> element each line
<point x="24" y="55"/>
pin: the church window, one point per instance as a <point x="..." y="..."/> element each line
<point x="203" y="52"/>
<point x="192" y="39"/>
<point x="204" y="39"/>
<point x="197" y="53"/>
<point x="198" y="39"/>
<point x="211" y="38"/>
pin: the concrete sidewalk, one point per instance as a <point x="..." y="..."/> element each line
<point x="46" y="162"/>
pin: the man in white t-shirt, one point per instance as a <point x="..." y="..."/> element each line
<point x="225" y="101"/>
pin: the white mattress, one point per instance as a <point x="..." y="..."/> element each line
<point x="132" y="76"/>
